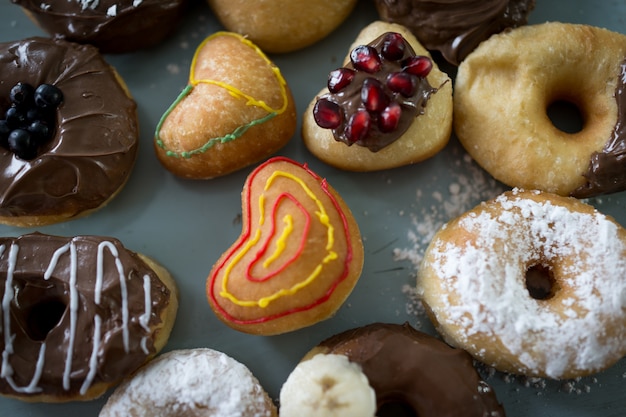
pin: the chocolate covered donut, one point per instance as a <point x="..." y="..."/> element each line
<point x="94" y="142"/>
<point x="455" y="27"/>
<point x="113" y="26"/>
<point x="78" y="315"/>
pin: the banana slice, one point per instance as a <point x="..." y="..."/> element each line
<point x="329" y="386"/>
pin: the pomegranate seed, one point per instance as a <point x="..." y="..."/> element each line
<point x="390" y="118"/>
<point x="327" y="115"/>
<point x="373" y="95"/>
<point x="365" y="58"/>
<point x="393" y="46"/>
<point x="418" y="65"/>
<point x="403" y="83"/>
<point x="358" y="126"/>
<point x="339" y="79"/>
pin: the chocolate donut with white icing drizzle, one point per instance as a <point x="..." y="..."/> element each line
<point x="78" y="315"/>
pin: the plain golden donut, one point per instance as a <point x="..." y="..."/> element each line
<point x="502" y="93"/>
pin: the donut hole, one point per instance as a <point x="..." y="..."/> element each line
<point x="44" y="316"/>
<point x="566" y="115"/>
<point x="395" y="409"/>
<point x="540" y="282"/>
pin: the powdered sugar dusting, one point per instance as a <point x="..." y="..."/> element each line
<point x="190" y="382"/>
<point x="569" y="331"/>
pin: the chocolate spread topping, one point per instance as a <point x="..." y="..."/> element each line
<point x="95" y="144"/>
<point x="409" y="367"/>
<point x="75" y="312"/>
<point x="607" y="169"/>
<point x="455" y="27"/>
<point x="111" y="25"/>
<point x="349" y="99"/>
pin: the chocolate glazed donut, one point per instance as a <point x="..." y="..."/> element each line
<point x="94" y="145"/>
<point x="455" y="27"/>
<point x="78" y="315"/>
<point x="113" y="26"/>
<point x="414" y="371"/>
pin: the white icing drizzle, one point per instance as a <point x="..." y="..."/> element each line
<point x="93" y="359"/>
<point x="123" y="290"/>
<point x="144" y="319"/>
<point x="485" y="273"/>
<point x="6" y="371"/>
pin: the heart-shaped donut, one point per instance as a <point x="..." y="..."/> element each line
<point x="297" y="259"/>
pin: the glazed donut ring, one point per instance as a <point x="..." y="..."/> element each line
<point x="502" y="93"/>
<point x="405" y="367"/>
<point x="192" y="382"/>
<point x="531" y="283"/>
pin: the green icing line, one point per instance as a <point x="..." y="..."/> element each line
<point x="238" y="132"/>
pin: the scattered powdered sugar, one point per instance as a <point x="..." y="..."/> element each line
<point x="185" y="381"/>
<point x="569" y="333"/>
<point x="469" y="186"/>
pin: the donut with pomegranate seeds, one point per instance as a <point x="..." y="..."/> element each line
<point x="79" y="314"/>
<point x="455" y="28"/>
<point x="297" y="259"/>
<point x="381" y="367"/>
<point x="236" y="110"/>
<point x="113" y="26"/>
<point x="198" y="382"/>
<point x="68" y="131"/>
<point x="282" y="26"/>
<point x="388" y="106"/>
<point x="530" y="283"/>
<point x="503" y="92"/>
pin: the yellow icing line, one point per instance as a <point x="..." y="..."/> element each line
<point x="323" y="219"/>
<point x="233" y="91"/>
<point x="281" y="242"/>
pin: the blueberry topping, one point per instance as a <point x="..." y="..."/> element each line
<point x="29" y="122"/>
<point x="48" y="96"/>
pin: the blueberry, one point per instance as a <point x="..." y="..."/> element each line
<point x="47" y="96"/>
<point x="15" y="117"/>
<point x="22" y="94"/>
<point x="21" y="143"/>
<point x="39" y="131"/>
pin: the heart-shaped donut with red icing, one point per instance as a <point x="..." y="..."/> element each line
<point x="297" y="259"/>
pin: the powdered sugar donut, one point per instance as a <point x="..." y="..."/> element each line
<point x="192" y="382"/>
<point x="530" y="283"/>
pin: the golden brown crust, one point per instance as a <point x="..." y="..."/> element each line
<point x="222" y="121"/>
<point x="426" y="136"/>
<point x="503" y="90"/>
<point x="305" y="281"/>
<point x="281" y="26"/>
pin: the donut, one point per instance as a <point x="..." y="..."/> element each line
<point x="388" y="106"/>
<point x="298" y="257"/>
<point x="236" y="110"/>
<point x="197" y="382"/>
<point x="504" y="89"/>
<point x="78" y="315"/>
<point x="530" y="283"/>
<point x="455" y="28"/>
<point x="282" y="26"/>
<point x="92" y="140"/>
<point x="113" y="26"/>
<point x="409" y="371"/>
